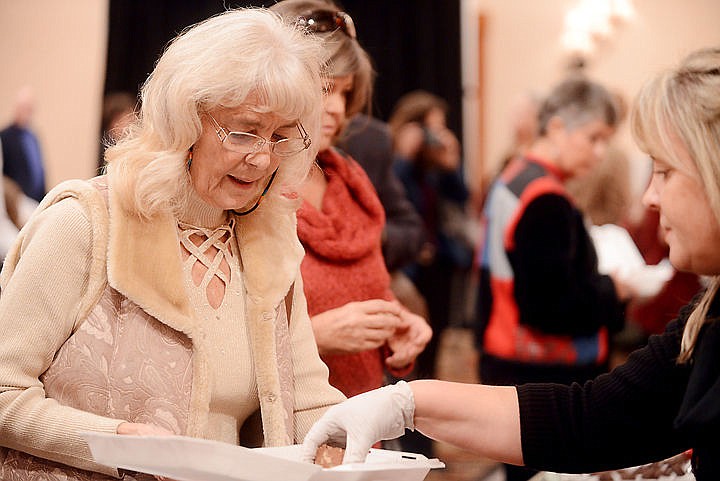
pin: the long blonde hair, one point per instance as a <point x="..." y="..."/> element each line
<point x="220" y="61"/>
<point x="684" y="104"/>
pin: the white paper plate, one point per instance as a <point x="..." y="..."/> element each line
<point x="190" y="459"/>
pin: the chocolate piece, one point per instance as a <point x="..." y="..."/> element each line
<point x="329" y="456"/>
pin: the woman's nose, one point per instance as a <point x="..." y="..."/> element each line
<point x="260" y="159"/>
<point x="650" y="197"/>
<point x="335" y="103"/>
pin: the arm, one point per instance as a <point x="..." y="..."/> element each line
<point x="557" y="286"/>
<point x="478" y="418"/>
<point x="472" y="416"/>
<point x="313" y="393"/>
<point x="620" y="419"/>
<point x="623" y="418"/>
<point x="41" y="303"/>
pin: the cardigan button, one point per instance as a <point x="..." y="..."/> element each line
<point x="267" y="316"/>
<point x="270" y="398"/>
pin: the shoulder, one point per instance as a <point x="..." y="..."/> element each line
<point x="362" y="124"/>
<point x="337" y="159"/>
<point x="72" y="216"/>
<point x="89" y="195"/>
<point x="10" y="129"/>
<point x="350" y="168"/>
<point x="9" y="136"/>
<point x="367" y="139"/>
<point x="86" y="191"/>
<point x="70" y="203"/>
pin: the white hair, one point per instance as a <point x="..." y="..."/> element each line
<point x="217" y="62"/>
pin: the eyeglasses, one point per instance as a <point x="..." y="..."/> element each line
<point x="322" y="21"/>
<point x="247" y="143"/>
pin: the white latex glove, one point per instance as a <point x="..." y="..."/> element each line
<point x="363" y="420"/>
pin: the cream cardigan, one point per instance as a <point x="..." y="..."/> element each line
<point x="58" y="269"/>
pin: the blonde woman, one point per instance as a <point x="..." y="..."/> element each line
<point x="665" y="399"/>
<point x="166" y="297"/>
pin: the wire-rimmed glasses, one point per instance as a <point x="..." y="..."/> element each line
<point x="247" y="143"/>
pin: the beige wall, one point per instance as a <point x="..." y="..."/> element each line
<point x="523" y="52"/>
<point x="58" y="48"/>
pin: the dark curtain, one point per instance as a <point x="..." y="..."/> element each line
<point x="415" y="44"/>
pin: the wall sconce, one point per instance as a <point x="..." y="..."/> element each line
<point x="591" y="22"/>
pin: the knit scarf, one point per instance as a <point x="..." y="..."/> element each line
<point x="343" y="260"/>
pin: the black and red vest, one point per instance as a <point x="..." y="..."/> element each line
<point x="501" y="332"/>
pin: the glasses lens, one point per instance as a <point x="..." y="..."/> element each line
<point x="289" y="146"/>
<point x="244" y="142"/>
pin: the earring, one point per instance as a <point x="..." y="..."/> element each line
<point x="189" y="160"/>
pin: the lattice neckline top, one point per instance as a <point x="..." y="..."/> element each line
<point x="213" y="278"/>
<point x="208" y="249"/>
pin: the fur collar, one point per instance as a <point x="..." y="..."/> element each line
<point x="144" y="261"/>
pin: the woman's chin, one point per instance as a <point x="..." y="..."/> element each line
<point x="326" y="141"/>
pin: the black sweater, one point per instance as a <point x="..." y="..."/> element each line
<point x="646" y="410"/>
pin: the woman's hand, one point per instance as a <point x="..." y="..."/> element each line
<point x="142" y="429"/>
<point x="409" y="139"/>
<point x="446" y="153"/>
<point x="356" y="326"/>
<point x="409" y="340"/>
<point x="362" y="420"/>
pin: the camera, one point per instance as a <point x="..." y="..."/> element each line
<point x="430" y="139"/>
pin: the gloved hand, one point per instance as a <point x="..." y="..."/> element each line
<point x="363" y="420"/>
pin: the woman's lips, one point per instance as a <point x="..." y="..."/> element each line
<point x="240" y="182"/>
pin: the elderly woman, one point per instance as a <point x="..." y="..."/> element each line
<point x="665" y="399"/>
<point x="165" y="297"/>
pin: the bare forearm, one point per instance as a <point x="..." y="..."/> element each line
<point x="481" y="419"/>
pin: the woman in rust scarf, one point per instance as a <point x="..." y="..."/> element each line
<point x="360" y="329"/>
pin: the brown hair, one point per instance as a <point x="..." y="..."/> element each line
<point x="345" y="56"/>
<point x="413" y="107"/>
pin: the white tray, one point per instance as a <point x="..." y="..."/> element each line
<point x="190" y="459"/>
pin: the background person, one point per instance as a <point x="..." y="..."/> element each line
<point x="181" y="309"/>
<point x="119" y="110"/>
<point x="369" y="142"/>
<point x="664" y="400"/>
<point x="428" y="162"/>
<point x="360" y="329"/>
<point x="8" y="230"/>
<point x="544" y="311"/>
<point x="22" y="156"/>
